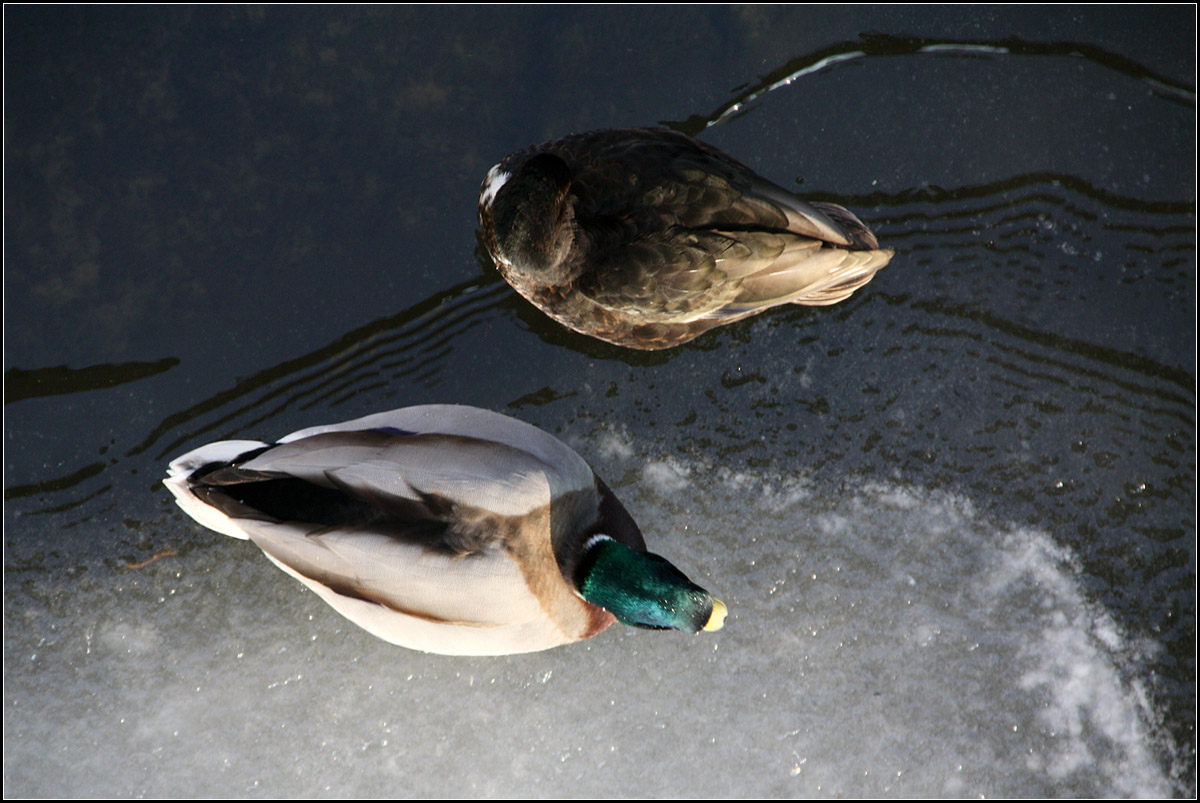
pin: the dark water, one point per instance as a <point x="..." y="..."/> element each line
<point x="954" y="517"/>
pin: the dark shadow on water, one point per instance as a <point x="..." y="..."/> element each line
<point x="20" y="383"/>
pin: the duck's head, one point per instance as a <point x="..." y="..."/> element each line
<point x="642" y="589"/>
<point x="528" y="224"/>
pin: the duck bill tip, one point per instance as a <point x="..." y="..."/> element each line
<point x="717" y="619"/>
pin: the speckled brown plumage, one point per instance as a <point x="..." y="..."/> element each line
<point x="647" y="238"/>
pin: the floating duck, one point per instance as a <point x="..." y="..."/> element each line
<point x="647" y="238"/>
<point x="443" y="528"/>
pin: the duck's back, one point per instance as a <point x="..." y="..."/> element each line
<point x="660" y="237"/>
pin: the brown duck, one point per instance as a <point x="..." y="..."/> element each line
<point x="647" y="238"/>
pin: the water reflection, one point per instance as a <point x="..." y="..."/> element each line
<point x="882" y="46"/>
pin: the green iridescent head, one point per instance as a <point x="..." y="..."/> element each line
<point x="642" y="589"/>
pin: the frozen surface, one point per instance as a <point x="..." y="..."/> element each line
<point x="886" y="642"/>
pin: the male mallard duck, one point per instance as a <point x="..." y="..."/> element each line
<point x="647" y="238"/>
<point x="443" y="528"/>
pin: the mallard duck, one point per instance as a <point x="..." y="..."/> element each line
<point x="647" y="238"/>
<point x="443" y="528"/>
